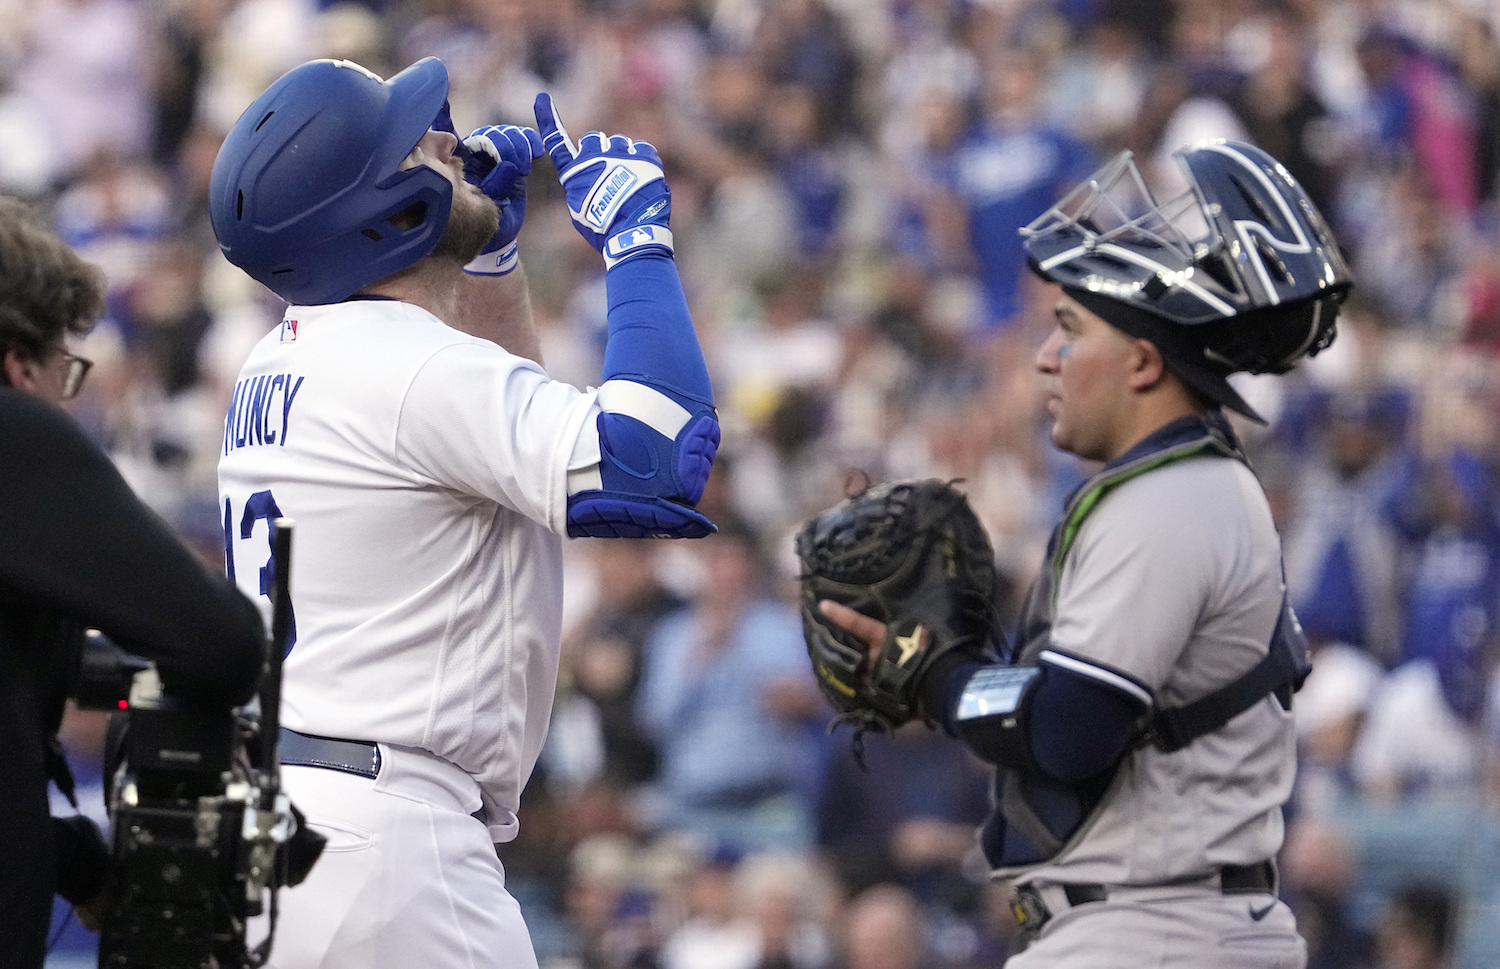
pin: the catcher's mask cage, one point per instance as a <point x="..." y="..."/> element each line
<point x="1237" y="273"/>
<point x="308" y="195"/>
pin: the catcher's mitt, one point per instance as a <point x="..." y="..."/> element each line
<point x="913" y="555"/>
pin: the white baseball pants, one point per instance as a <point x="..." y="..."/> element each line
<point x="408" y="879"/>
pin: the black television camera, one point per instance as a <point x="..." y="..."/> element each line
<point x="202" y="835"/>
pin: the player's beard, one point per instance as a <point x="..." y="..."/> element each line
<point x="472" y="221"/>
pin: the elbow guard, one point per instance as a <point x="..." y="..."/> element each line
<point x="1067" y="719"/>
<point x="656" y="447"/>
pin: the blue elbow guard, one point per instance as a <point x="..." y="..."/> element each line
<point x="655" y="451"/>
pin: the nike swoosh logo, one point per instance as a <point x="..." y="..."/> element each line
<point x="1256" y="914"/>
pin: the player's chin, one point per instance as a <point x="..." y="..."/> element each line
<point x="470" y="225"/>
<point x="1057" y="413"/>
<point x="1061" y="436"/>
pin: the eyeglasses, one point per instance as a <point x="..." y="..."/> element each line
<point x="77" y="369"/>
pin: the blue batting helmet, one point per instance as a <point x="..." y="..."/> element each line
<point x="1239" y="273"/>
<point x="307" y="193"/>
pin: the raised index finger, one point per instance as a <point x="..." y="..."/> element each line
<point x="554" y="136"/>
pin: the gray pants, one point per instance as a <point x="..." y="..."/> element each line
<point x="1189" y="931"/>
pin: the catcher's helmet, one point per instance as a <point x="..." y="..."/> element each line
<point x="1238" y="273"/>
<point x="307" y="183"/>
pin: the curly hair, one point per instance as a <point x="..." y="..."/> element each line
<point x="46" y="289"/>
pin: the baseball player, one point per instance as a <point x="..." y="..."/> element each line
<point x="400" y="416"/>
<point x="1142" y="731"/>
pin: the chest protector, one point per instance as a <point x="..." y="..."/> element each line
<point x="1036" y="818"/>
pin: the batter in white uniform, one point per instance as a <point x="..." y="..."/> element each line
<point x="1141" y="727"/>
<point x="400" y="416"/>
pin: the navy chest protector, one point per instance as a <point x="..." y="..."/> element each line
<point x="1036" y="816"/>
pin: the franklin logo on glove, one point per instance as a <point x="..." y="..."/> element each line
<point x="609" y="194"/>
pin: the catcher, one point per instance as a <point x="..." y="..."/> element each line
<point x="1141" y="724"/>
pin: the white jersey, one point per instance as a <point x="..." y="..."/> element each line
<point x="426" y="472"/>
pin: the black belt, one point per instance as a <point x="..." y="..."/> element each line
<point x="1252" y="880"/>
<point x="350" y="756"/>
<point x="1031" y="911"/>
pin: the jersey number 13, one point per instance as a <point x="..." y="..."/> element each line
<point x="260" y="507"/>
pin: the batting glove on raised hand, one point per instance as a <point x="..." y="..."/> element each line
<point x="616" y="190"/>
<point x="498" y="159"/>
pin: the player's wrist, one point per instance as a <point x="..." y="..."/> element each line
<point x="941" y="685"/>
<point x="637" y="241"/>
<point x="501" y="262"/>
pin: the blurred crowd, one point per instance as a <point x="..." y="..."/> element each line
<point x="848" y="179"/>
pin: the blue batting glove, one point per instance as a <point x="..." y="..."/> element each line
<point x="498" y="159"/>
<point x="615" y="187"/>
<point x="444" y="122"/>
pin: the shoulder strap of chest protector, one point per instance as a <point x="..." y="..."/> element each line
<point x="1280" y="671"/>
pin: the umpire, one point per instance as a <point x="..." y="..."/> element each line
<point x="78" y="550"/>
<point x="1142" y="729"/>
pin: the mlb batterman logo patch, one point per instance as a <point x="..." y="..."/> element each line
<point x="288" y="330"/>
<point x="645" y="235"/>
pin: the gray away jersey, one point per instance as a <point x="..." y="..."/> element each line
<point x="1175" y="579"/>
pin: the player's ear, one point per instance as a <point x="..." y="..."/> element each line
<point x="1145" y="365"/>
